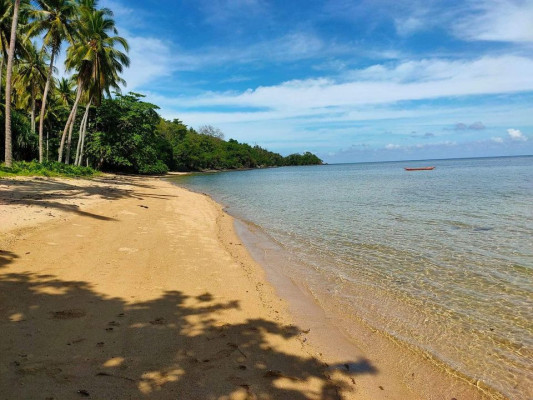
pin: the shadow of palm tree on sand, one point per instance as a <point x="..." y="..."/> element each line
<point x="69" y="341"/>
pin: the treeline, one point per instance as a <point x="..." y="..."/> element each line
<point x="130" y="136"/>
<point x="126" y="134"/>
<point x="193" y="151"/>
<point x="76" y="121"/>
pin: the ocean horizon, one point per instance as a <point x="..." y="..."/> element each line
<point x="440" y="260"/>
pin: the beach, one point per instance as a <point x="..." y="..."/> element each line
<point x="131" y="287"/>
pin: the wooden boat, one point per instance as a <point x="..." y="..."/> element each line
<point x="420" y="169"/>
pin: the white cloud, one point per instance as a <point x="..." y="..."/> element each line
<point x="289" y="47"/>
<point x="497" y="139"/>
<point x="486" y="20"/>
<point x="433" y="69"/>
<point x="391" y="146"/>
<point x="409" y="25"/>
<point x="151" y="58"/>
<point x="125" y="16"/>
<point x="420" y="146"/>
<point x="382" y="84"/>
<point x="497" y="20"/>
<point x="516" y="134"/>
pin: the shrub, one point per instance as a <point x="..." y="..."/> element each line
<point x="47" y="168"/>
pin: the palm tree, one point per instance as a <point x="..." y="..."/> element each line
<point x="85" y="8"/>
<point x="56" y="19"/>
<point x="64" y="92"/>
<point x="30" y="77"/>
<point x="6" y="11"/>
<point x="11" y="55"/>
<point x="5" y="26"/>
<point x="96" y="58"/>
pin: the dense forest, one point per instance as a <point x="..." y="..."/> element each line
<point x="85" y="120"/>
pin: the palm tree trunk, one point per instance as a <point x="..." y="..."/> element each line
<point x="32" y="114"/>
<point x="9" y="148"/>
<point x="79" y="141"/>
<point x="70" y="120"/>
<point x="43" y="106"/>
<point x="82" y="149"/>
<point x="1" y="71"/>
<point x="69" y="139"/>
<point x="81" y="136"/>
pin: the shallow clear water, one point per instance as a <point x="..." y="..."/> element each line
<point x="441" y="260"/>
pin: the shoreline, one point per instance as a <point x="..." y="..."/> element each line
<point x="428" y="376"/>
<point x="355" y="339"/>
<point x="137" y="295"/>
<point x="227" y="275"/>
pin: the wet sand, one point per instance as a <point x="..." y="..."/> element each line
<point x="130" y="287"/>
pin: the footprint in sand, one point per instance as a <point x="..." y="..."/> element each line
<point x="128" y="250"/>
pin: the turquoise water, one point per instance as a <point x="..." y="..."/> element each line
<point x="441" y="260"/>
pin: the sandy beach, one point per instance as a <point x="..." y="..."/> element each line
<point x="131" y="287"/>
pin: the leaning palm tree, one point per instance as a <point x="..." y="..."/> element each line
<point x="83" y="128"/>
<point x="10" y="57"/>
<point x="95" y="57"/>
<point x="54" y="18"/>
<point x="85" y="9"/>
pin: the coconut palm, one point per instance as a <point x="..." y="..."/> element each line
<point x="92" y="5"/>
<point x="10" y="57"/>
<point x="64" y="92"/>
<point x="86" y="9"/>
<point x="30" y="78"/>
<point x="5" y="31"/>
<point x="55" y="18"/>
<point x="6" y="13"/>
<point x="96" y="58"/>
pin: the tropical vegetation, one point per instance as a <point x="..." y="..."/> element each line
<point x="84" y="120"/>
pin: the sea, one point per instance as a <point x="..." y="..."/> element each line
<point x="440" y="260"/>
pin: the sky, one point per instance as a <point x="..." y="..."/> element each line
<point x="352" y="81"/>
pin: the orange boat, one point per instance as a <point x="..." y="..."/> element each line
<point x="420" y="169"/>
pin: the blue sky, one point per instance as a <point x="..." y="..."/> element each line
<point x="349" y="80"/>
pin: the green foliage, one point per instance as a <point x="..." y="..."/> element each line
<point x="302" y="159"/>
<point x="193" y="151"/>
<point x="47" y="168"/>
<point x="129" y="136"/>
<point x="126" y="139"/>
<point x="24" y="141"/>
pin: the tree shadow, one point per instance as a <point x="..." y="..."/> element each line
<point x="62" y="339"/>
<point x="51" y="194"/>
<point x="6" y="257"/>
